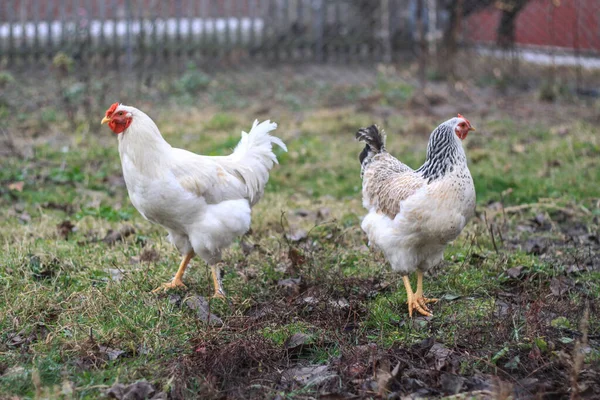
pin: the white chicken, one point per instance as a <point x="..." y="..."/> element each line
<point x="203" y="202"/>
<point x="413" y="215"/>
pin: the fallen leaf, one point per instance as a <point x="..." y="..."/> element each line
<point x="502" y="308"/>
<point x="16" y="186"/>
<point x="560" y="323"/>
<point x="13" y="371"/>
<point x="450" y="297"/>
<point x="66" y="207"/>
<point x="17" y="339"/>
<point x="323" y="213"/>
<point x="439" y="354"/>
<point x="289" y="282"/>
<point x="525" y="387"/>
<point x="174" y="299"/>
<point x="43" y="267"/>
<point x="116" y="180"/>
<point x="141" y="349"/>
<point x="296" y="257"/>
<point x="423" y="346"/>
<point x="518" y="148"/>
<point x="559" y="130"/>
<point x="115" y="236"/>
<point x="315" y="375"/>
<point x="110" y="352"/>
<point x="513" y="363"/>
<point x="536" y="246"/>
<point x="421" y="322"/>
<point x="136" y="391"/>
<point x="560" y="286"/>
<point x="540" y="219"/>
<point x="65" y="228"/>
<point x="384" y="377"/>
<point x="115" y="274"/>
<point x="451" y="383"/>
<point x="297" y="235"/>
<point x="514" y="272"/>
<point x="296" y="342"/>
<point x="201" y="306"/>
<point x="302" y="213"/>
<point x="259" y="311"/>
<point x="340" y="303"/>
<point x="310" y="300"/>
<point x="67" y="389"/>
<point x="535" y="353"/>
<point x="247" y="247"/>
<point x="25" y="217"/>
<point x="382" y="286"/>
<point x="149" y="255"/>
<point x="503" y="351"/>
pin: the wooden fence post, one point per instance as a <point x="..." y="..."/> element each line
<point x="128" y="41"/>
<point x="318" y="29"/>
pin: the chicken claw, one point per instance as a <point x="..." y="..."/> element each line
<point x="220" y="295"/>
<point x="416" y="302"/>
<point x="174" y="284"/>
<point x="217" y="282"/>
<point x="177" y="282"/>
<point x="423" y="301"/>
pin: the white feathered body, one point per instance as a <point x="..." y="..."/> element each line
<point x="204" y="202"/>
<point x="411" y="217"/>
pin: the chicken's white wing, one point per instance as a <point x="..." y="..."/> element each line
<point x="205" y="177"/>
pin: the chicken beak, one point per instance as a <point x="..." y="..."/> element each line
<point x="105" y="120"/>
<point x="472" y="128"/>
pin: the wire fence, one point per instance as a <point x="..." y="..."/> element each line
<point x="503" y="41"/>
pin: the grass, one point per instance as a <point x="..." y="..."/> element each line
<point x="77" y="315"/>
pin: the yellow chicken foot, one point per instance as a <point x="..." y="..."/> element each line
<point x="423" y="301"/>
<point x="218" y="284"/>
<point x="177" y="282"/>
<point x="413" y="303"/>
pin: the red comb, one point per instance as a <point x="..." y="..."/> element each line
<point x="113" y="107"/>
<point x="460" y="116"/>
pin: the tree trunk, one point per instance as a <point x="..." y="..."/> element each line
<point x="506" y="28"/>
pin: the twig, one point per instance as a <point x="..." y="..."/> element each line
<point x="521" y="207"/>
<point x="500" y="234"/>
<point x="491" y="231"/>
<point x="494" y="366"/>
<point x="578" y="355"/>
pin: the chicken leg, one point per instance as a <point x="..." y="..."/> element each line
<point x="419" y="293"/>
<point x="218" y="284"/>
<point x="177" y="282"/>
<point x="412" y="300"/>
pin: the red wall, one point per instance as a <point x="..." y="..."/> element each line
<point x="572" y="24"/>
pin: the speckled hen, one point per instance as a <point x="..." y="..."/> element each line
<point x="412" y="214"/>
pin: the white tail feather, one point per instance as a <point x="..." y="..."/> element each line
<point x="254" y="157"/>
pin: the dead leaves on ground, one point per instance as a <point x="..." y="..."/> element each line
<point x="64" y="229"/>
<point x="201" y="306"/>
<point x="113" y="237"/>
<point x="16" y="186"/>
<point x="141" y="390"/>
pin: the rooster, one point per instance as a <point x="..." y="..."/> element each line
<point x="203" y="202"/>
<point x="412" y="214"/>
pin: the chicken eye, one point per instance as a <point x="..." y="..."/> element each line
<point x="121" y="113"/>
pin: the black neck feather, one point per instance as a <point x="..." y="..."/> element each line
<point x="443" y="154"/>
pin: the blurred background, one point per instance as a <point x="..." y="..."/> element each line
<point x="82" y="50"/>
<point x="77" y="261"/>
